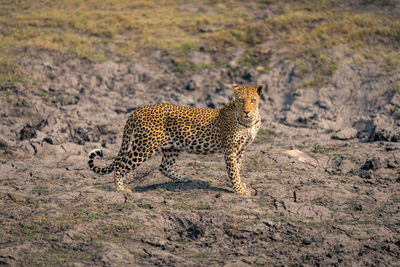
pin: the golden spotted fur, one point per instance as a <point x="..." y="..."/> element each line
<point x="172" y="129"/>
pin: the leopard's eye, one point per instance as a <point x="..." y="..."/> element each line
<point x="253" y="101"/>
<point x="241" y="100"/>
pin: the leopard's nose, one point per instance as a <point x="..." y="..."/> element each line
<point x="246" y="113"/>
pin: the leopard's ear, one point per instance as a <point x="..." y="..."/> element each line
<point x="235" y="87"/>
<point x="259" y="88"/>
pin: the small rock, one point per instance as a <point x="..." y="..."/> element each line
<point x="391" y="147"/>
<point x="276" y="237"/>
<point x="29" y="130"/>
<point x="392" y="163"/>
<point x="395" y="100"/>
<point x="358" y="206"/>
<point x="246" y="75"/>
<point x="194" y="83"/>
<point x="48" y="140"/>
<point x="383" y="131"/>
<point x="346" y="134"/>
<point x="260" y="68"/>
<point x="302" y="157"/>
<point x="17" y="197"/>
<point x="365" y="174"/>
<point x="27" y="133"/>
<point x="205" y="29"/>
<point x="3" y="143"/>
<point x="269" y="223"/>
<point x="322" y="104"/>
<point x="373" y="164"/>
<point x="210" y="105"/>
<point x="155" y="242"/>
<point x="346" y="166"/>
<point x="195" y="231"/>
<point x="233" y="64"/>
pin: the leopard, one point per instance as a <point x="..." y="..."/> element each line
<point x="172" y="129"/>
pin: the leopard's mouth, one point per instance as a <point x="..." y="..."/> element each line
<point x="246" y="121"/>
<point x="247" y="118"/>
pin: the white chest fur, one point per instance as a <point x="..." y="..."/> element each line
<point x="253" y="131"/>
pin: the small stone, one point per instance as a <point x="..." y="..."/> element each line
<point x="365" y="174"/>
<point x="346" y="166"/>
<point x="395" y="100"/>
<point x="246" y="75"/>
<point x="346" y="134"/>
<point x="27" y="132"/>
<point x="260" y="68"/>
<point x="322" y="104"/>
<point x="269" y="223"/>
<point x="391" y="147"/>
<point x="3" y="143"/>
<point x="392" y="163"/>
<point x="373" y="164"/>
<point x="358" y="206"/>
<point x="48" y="140"/>
<point x="17" y="197"/>
<point x="233" y="64"/>
<point x="276" y="237"/>
<point x="193" y="84"/>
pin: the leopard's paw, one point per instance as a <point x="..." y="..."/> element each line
<point x="243" y="192"/>
<point x="185" y="178"/>
<point x="124" y="190"/>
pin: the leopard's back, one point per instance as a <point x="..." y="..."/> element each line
<point x="195" y="130"/>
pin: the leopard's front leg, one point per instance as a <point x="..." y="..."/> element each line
<point x="233" y="168"/>
<point x="239" y="160"/>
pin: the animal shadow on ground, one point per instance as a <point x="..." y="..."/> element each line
<point x="176" y="186"/>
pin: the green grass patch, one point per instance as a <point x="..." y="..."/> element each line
<point x="306" y="31"/>
<point x="396" y="89"/>
<point x="312" y="29"/>
<point x="321" y="149"/>
<point x="41" y="189"/>
<point x="257" y="163"/>
<point x="90" y="28"/>
<point x="265" y="136"/>
<point x="202" y="255"/>
<point x="10" y="73"/>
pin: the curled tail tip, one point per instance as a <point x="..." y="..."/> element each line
<point x="96" y="152"/>
<point x="93" y="167"/>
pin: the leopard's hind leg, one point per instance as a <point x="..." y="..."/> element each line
<point x="119" y="184"/>
<point x="138" y="152"/>
<point x="169" y="157"/>
<point x="129" y="162"/>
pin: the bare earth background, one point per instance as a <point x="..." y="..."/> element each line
<point x="324" y="171"/>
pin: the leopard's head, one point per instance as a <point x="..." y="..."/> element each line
<point x="246" y="103"/>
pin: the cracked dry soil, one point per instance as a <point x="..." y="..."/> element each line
<point x="316" y="200"/>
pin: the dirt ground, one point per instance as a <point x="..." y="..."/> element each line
<point x="324" y="171"/>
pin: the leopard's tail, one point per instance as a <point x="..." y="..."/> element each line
<point x="96" y="169"/>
